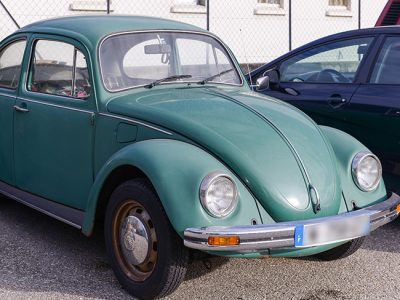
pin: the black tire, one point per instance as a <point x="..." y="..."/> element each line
<point x="341" y="251"/>
<point x="166" y="261"/>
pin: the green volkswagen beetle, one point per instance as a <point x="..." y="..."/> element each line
<point x="148" y="126"/>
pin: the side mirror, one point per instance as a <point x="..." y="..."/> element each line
<point x="273" y="75"/>
<point x="262" y="83"/>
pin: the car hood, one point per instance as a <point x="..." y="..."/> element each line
<point x="276" y="150"/>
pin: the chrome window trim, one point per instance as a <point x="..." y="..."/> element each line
<point x="58" y="38"/>
<point x="8" y="43"/>
<point x="135" y="122"/>
<point x="56" y="105"/>
<point x="230" y="56"/>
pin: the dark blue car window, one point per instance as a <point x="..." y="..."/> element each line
<point x="387" y="67"/>
<point x="335" y="62"/>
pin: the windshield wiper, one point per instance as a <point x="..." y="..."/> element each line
<point x="174" y="77"/>
<point x="204" y="81"/>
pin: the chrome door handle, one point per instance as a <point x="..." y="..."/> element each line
<point x="20" y="109"/>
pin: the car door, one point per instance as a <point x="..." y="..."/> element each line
<point x="11" y="56"/>
<point x="373" y="115"/>
<point x="321" y="80"/>
<point x="53" y="124"/>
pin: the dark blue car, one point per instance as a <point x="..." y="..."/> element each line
<point x="350" y="81"/>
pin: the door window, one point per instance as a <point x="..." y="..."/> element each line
<point x="10" y="64"/>
<point x="336" y="62"/>
<point x="387" y="67"/>
<point x="59" y="68"/>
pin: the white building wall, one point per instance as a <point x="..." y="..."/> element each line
<point x="255" y="32"/>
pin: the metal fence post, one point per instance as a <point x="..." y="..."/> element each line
<point x="108" y="7"/>
<point x="290" y="25"/>
<point x="208" y="14"/>
<point x="359" y="14"/>
<point x="9" y="14"/>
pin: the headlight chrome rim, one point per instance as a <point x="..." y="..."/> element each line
<point x="358" y="158"/>
<point x="207" y="181"/>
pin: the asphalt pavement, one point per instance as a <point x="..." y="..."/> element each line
<point x="42" y="258"/>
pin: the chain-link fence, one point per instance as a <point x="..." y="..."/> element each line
<point x="256" y="30"/>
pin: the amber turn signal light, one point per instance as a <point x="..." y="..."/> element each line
<point x="223" y="240"/>
<point x="398" y="208"/>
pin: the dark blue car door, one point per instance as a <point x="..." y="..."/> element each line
<point x="373" y="115"/>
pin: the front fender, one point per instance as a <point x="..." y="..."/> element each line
<point x="345" y="148"/>
<point x="176" y="170"/>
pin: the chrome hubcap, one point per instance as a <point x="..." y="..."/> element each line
<point x="134" y="240"/>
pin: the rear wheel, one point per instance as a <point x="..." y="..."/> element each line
<point x="146" y="254"/>
<point x="341" y="251"/>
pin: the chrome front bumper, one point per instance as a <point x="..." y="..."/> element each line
<point x="301" y="234"/>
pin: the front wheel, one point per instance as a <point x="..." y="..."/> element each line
<point x="341" y="251"/>
<point x="146" y="254"/>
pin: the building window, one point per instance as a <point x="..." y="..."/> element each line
<point x="270" y="2"/>
<point x="339" y="8"/>
<point x="90" y="5"/>
<point x="270" y="7"/>
<point x="189" y="6"/>
<point x="338" y="3"/>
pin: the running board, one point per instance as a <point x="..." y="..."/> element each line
<point x="63" y="213"/>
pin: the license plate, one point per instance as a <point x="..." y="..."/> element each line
<point x="341" y="229"/>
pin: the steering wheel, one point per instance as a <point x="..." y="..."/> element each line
<point x="331" y="75"/>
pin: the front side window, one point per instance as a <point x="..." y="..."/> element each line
<point x="138" y="59"/>
<point x="387" y="67"/>
<point x="59" y="68"/>
<point x="336" y="62"/>
<point x="10" y="64"/>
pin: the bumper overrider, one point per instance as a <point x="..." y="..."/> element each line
<point x="300" y="234"/>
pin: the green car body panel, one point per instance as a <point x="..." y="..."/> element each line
<point x="175" y="134"/>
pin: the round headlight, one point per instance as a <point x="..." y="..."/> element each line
<point x="366" y="170"/>
<point x="218" y="194"/>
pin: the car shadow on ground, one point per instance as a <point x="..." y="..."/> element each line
<point x="41" y="254"/>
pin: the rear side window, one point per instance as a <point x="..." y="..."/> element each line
<point x="59" y="68"/>
<point x="10" y="64"/>
<point x="387" y="67"/>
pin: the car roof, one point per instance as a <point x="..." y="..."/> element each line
<point x="94" y="27"/>
<point x="365" y="31"/>
<point x="346" y="34"/>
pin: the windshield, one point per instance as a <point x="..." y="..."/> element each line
<point x="140" y="59"/>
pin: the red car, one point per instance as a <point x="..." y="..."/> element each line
<point x="390" y="14"/>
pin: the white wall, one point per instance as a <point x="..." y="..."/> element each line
<point x="254" y="37"/>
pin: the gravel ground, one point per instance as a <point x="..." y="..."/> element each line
<point x="41" y="258"/>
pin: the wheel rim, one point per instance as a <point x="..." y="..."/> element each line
<point x="134" y="240"/>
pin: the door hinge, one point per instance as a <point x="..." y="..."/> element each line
<point x="92" y="118"/>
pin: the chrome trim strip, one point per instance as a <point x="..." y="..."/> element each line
<point x="35" y="207"/>
<point x="281" y="235"/>
<point x="9" y="96"/>
<point x="230" y="55"/>
<point x="134" y="121"/>
<point x="56" y="105"/>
